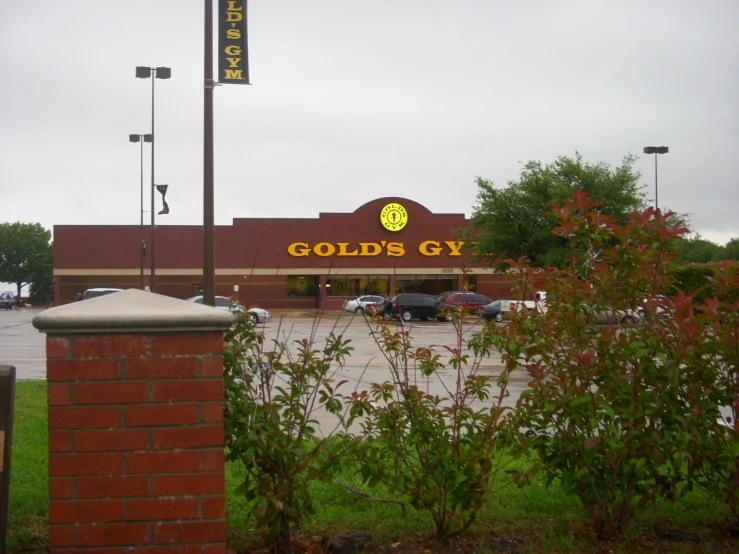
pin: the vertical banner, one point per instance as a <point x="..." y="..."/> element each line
<point x="233" y="52"/>
<point x="163" y="190"/>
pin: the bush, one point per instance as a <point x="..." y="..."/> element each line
<point x="442" y="453"/>
<point x="270" y="398"/>
<point x="618" y="413"/>
<point x="715" y="457"/>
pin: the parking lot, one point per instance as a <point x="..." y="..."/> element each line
<point x="22" y="346"/>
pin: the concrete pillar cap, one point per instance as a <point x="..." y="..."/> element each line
<point x="132" y="311"/>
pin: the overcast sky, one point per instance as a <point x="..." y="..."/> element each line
<point x="355" y="100"/>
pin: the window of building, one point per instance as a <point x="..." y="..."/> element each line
<point x="357" y="285"/>
<point x="470" y="282"/>
<point x="300" y="285"/>
<point x="428" y="284"/>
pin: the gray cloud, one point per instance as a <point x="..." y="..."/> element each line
<point x="356" y="100"/>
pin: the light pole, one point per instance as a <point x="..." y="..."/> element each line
<point x="146" y="73"/>
<point x="208" y="160"/>
<point x="656" y="150"/>
<point x="141" y="139"/>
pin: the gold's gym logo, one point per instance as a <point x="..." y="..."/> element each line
<point x="394" y="217"/>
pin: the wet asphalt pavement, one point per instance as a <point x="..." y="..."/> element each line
<point x="22" y="346"/>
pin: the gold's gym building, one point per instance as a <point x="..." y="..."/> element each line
<point x="386" y="246"/>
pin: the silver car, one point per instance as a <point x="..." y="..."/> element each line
<point x="613" y="317"/>
<point x="9" y="301"/>
<point x="661" y="306"/>
<point x="257" y="315"/>
<point x="360" y="304"/>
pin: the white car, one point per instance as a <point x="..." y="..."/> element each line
<point x="662" y="306"/>
<point x="258" y="315"/>
<point x="95" y="292"/>
<point x="360" y="304"/>
<point x="612" y="317"/>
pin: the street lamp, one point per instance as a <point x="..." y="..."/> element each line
<point x="141" y="139"/>
<point x="656" y="150"/>
<point x="146" y="73"/>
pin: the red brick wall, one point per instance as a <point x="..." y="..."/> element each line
<point x="136" y="443"/>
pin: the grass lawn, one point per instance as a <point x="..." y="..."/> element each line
<point x="29" y="498"/>
<point x="530" y="519"/>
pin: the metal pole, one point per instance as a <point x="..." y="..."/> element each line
<point x="208" y="218"/>
<point x="656" y="203"/>
<point x="7" y="400"/>
<point x="152" y="280"/>
<point x="141" y="226"/>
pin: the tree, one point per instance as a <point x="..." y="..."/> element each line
<point x="25" y="254"/>
<point x="511" y="222"/>
<point x="731" y="250"/>
<point x="699" y="250"/>
<point x="42" y="283"/>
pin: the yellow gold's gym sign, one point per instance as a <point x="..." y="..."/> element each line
<point x="393" y="217"/>
<point x="326" y="249"/>
<point x="233" y="52"/>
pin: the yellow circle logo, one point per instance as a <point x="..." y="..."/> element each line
<point x="394" y="217"/>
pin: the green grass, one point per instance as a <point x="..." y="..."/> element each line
<point x="28" y="504"/>
<point x="539" y="520"/>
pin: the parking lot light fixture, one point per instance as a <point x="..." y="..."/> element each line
<point x="143" y="72"/>
<point x="656" y="150"/>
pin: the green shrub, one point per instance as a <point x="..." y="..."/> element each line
<point x="694" y="279"/>
<point x="618" y="413"/>
<point x="715" y="456"/>
<point x="441" y="452"/>
<point x="270" y="399"/>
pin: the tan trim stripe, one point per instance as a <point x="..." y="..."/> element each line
<point x="246" y="272"/>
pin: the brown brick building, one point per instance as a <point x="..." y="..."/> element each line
<point x="385" y="246"/>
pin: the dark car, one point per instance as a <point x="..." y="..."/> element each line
<point x="9" y="301"/>
<point x="406" y="306"/>
<point x="494" y="311"/>
<point x="456" y="300"/>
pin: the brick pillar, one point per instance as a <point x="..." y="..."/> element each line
<point x="135" y="425"/>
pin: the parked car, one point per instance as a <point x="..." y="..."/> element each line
<point x="507" y="306"/>
<point x="95" y="292"/>
<point x="257" y="315"/>
<point x="612" y="317"/>
<point x="10" y="301"/>
<point x="663" y="308"/>
<point x="497" y="310"/>
<point x="456" y="300"/>
<point x="362" y="303"/>
<point x="423" y="306"/>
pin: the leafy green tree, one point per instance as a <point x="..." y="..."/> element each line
<point x="511" y="222"/>
<point x="42" y="283"/>
<point x="731" y="250"/>
<point x="26" y="254"/>
<point x="699" y="250"/>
